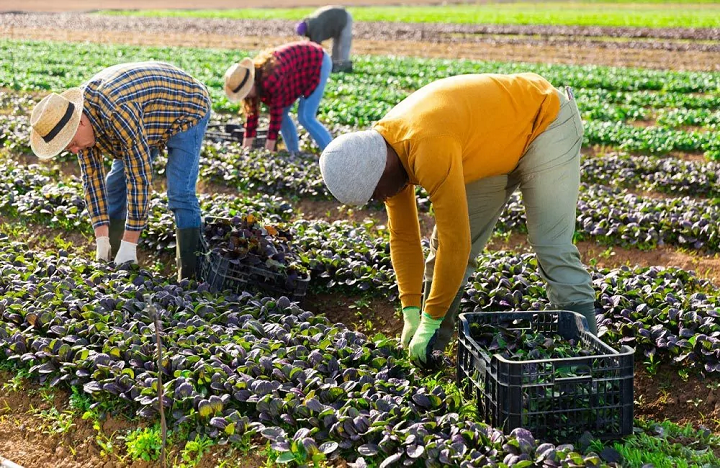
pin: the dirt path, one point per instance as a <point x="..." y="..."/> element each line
<point x="669" y="48"/>
<point x="705" y="266"/>
<point x="530" y="53"/>
<point x="85" y="5"/>
<point x="608" y="37"/>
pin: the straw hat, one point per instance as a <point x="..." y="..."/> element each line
<point x="54" y="122"/>
<point x="239" y="78"/>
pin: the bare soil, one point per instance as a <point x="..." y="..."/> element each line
<point x="223" y="34"/>
<point x="369" y="316"/>
<point x="705" y="266"/>
<point x="666" y="395"/>
<point x="89" y="5"/>
<point x="674" y="39"/>
<point x="621" y="37"/>
<point x="599" y="150"/>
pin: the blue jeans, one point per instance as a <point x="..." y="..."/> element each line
<point x="307" y="114"/>
<point x="182" y="173"/>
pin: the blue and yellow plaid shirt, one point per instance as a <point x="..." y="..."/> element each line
<point x="134" y="107"/>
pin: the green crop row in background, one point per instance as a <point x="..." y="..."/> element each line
<point x="653" y="13"/>
<point x="610" y="98"/>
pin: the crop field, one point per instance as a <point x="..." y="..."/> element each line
<point x="90" y="353"/>
<point x="657" y="14"/>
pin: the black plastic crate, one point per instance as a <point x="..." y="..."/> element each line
<point x="234" y="132"/>
<point x="556" y="399"/>
<point x="222" y="275"/>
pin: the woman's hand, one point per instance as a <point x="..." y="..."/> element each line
<point x="270" y="145"/>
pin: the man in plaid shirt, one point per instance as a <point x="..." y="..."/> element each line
<point x="130" y="112"/>
<point x="281" y="76"/>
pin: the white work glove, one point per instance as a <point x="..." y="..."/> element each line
<point x="126" y="253"/>
<point x="102" y="251"/>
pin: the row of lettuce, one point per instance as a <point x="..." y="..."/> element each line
<point x="615" y="216"/>
<point x="235" y="366"/>
<point x="240" y="365"/>
<point x="611" y="99"/>
<point x="226" y="163"/>
<point x="662" y="311"/>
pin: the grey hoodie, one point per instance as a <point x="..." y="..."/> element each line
<point x="325" y="23"/>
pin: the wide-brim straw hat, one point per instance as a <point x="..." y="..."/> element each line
<point x="54" y="122"/>
<point x="239" y="78"/>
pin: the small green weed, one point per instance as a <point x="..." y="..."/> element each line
<point x="667" y="445"/>
<point x="695" y="402"/>
<point x="62" y="244"/>
<point x="714" y="385"/>
<point x="144" y="443"/>
<point x="607" y="253"/>
<point x="652" y="364"/>
<point x="80" y="401"/>
<point x="106" y="443"/>
<point x="360" y="304"/>
<point x="194" y="450"/>
<point x="15" y="383"/>
<point x="55" y="421"/>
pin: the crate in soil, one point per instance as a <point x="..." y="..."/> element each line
<point x="234" y="132"/>
<point x="222" y="274"/>
<point x="557" y="399"/>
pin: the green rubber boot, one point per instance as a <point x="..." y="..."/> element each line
<point x="188" y="244"/>
<point x="117" y="229"/>
<point x="587" y="310"/>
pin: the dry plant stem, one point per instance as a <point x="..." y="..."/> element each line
<point x="163" y="424"/>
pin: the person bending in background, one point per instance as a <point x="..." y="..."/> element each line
<point x="130" y="112"/>
<point x="326" y="23"/>
<point x="469" y="141"/>
<point x="278" y="77"/>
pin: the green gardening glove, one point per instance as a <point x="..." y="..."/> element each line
<point x="421" y="345"/>
<point x="411" y="320"/>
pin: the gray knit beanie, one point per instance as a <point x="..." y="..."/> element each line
<point x="352" y="164"/>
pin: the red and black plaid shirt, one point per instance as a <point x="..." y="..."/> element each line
<point x="297" y="73"/>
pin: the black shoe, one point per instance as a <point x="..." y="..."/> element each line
<point x="342" y="67"/>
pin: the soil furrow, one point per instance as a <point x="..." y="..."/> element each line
<point x="664" y="38"/>
<point x="550" y="54"/>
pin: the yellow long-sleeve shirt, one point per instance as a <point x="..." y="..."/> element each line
<point x="447" y="134"/>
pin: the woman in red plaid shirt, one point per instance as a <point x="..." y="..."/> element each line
<point x="278" y="77"/>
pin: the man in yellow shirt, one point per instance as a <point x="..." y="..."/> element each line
<point x="469" y="141"/>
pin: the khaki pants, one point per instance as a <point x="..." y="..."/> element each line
<point x="548" y="176"/>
